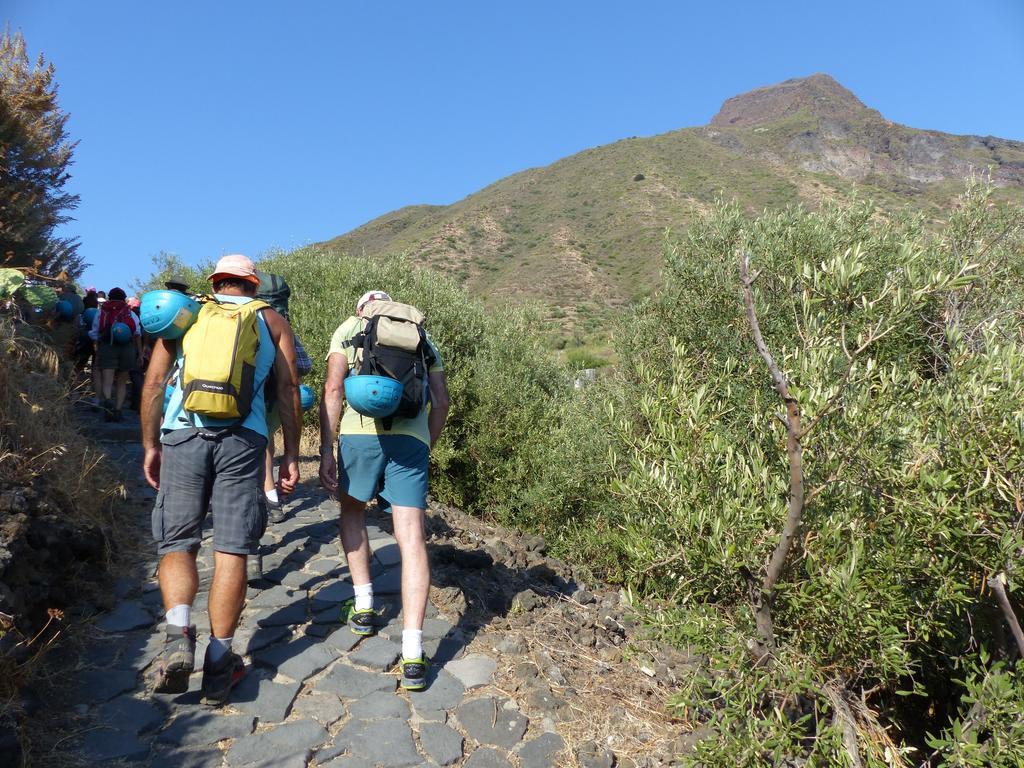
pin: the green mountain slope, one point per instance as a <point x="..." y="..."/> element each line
<point x="584" y="234"/>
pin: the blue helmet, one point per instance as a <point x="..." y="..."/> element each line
<point x="306" y="396"/>
<point x="89" y="316"/>
<point x="64" y="309"/>
<point x="120" y="333"/>
<point x="376" y="396"/>
<point x="167" y="314"/>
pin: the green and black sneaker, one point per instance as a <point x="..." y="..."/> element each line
<point x="360" y="621"/>
<point x="414" y="673"/>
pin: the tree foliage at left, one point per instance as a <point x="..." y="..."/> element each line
<point x="35" y="154"/>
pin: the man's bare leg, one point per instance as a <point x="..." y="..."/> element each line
<point x="354" y="539"/>
<point x="179" y="579"/>
<point x="227" y="593"/>
<point x="412" y="545"/>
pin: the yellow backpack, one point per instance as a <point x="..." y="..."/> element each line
<point x="219" y="360"/>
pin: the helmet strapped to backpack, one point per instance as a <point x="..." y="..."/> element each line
<point x="393" y="344"/>
<point x="114" y="313"/>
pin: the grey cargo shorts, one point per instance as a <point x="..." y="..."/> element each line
<point x="223" y="474"/>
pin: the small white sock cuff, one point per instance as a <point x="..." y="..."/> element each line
<point x="412" y="643"/>
<point x="364" y="596"/>
<point x="180" y="615"/>
<point x="272" y="495"/>
<point x="219" y="647"/>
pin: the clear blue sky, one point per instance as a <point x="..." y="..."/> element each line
<point x="217" y="127"/>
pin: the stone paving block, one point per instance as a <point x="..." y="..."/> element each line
<point x="343" y="639"/>
<point x="487" y="721"/>
<point x="387" y="553"/>
<point x="300" y="579"/>
<point x="388" y="583"/>
<point x="319" y="630"/>
<point x="294" y="760"/>
<point x="474" y="670"/>
<point x="131" y="714"/>
<point x="267" y="700"/>
<point x="298" y="737"/>
<point x="112" y="744"/>
<point x="333" y="593"/>
<point x="125" y="617"/>
<point x="201" y="727"/>
<point x="249" y="640"/>
<point x="277" y="597"/>
<point x="441" y="743"/>
<point x="388" y="742"/>
<point x="99" y="685"/>
<point x="325" y="708"/>
<point x="351" y="683"/>
<point x="444" y="691"/>
<point x="188" y="758"/>
<point x="376" y="653"/>
<point x="379" y="707"/>
<point x="540" y="752"/>
<point x="443" y="650"/>
<point x="325" y="565"/>
<point x="486" y="757"/>
<point x="348" y="761"/>
<point x="298" y="659"/>
<point x="278" y="617"/>
<point x="329" y="615"/>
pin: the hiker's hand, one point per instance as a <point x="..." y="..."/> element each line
<point x="329" y="472"/>
<point x="151" y="467"/>
<point x="288" y="476"/>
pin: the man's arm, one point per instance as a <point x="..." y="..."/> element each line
<point x="439" y="404"/>
<point x="331" y="404"/>
<point x="160" y="365"/>
<point x="287" y="397"/>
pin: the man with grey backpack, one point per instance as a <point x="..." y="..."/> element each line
<point x="386" y="383"/>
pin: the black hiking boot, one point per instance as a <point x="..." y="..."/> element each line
<point x="177" y="660"/>
<point x="108" y="410"/>
<point x="220" y="678"/>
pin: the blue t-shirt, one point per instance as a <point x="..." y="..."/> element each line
<point x="266" y="353"/>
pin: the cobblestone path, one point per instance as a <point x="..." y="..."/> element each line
<point x="315" y="693"/>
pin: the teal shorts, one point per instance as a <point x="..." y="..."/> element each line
<point x="400" y="462"/>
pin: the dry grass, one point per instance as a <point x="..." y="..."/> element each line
<point x="42" y="449"/>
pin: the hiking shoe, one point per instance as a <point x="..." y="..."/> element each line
<point x="108" y="410"/>
<point x="177" y="660"/>
<point x="414" y="673"/>
<point x="254" y="565"/>
<point x="275" y="511"/>
<point x="359" y="621"/>
<point x="220" y="678"/>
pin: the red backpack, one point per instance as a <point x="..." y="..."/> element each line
<point x="113" y="312"/>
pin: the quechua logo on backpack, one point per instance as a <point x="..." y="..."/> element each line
<point x="219" y="360"/>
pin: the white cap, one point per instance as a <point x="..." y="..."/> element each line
<point x="369" y="296"/>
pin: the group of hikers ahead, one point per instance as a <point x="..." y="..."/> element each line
<point x="223" y="374"/>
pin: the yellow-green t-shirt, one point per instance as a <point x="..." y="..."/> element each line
<point x="353" y="423"/>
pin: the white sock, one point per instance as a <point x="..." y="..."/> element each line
<point x="364" y="596"/>
<point x="219" y="646"/>
<point x="412" y="644"/>
<point x="272" y="495"/>
<point x="180" y="615"/>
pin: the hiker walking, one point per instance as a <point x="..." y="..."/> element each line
<point x="207" y="451"/>
<point x="117" y="332"/>
<point x="385" y="436"/>
<point x="274" y="290"/>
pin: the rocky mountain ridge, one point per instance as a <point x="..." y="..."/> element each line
<point x="584" y="235"/>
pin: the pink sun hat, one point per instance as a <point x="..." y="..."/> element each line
<point x="235" y="265"/>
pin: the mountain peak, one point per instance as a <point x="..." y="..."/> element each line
<point x="819" y="94"/>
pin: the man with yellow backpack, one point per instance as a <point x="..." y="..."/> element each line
<point x="206" y="452"/>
